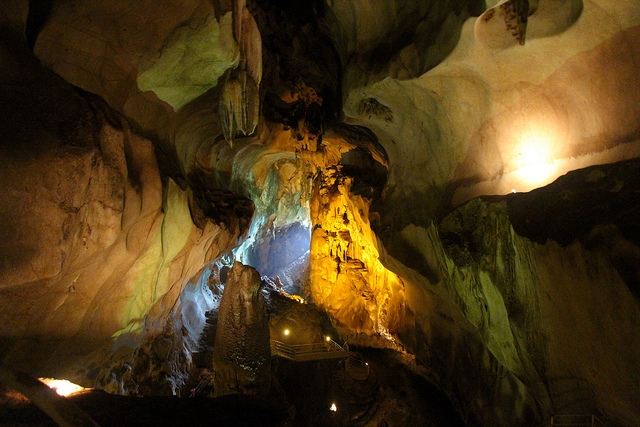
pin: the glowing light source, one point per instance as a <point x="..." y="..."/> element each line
<point x="286" y="332"/>
<point x="534" y="160"/>
<point x="333" y="407"/>
<point x="62" y="387"/>
<point x="328" y="338"/>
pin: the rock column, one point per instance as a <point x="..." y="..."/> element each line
<point x="242" y="353"/>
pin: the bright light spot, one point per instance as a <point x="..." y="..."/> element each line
<point x="366" y="363"/>
<point x="286" y="332"/>
<point x="513" y="191"/>
<point x="328" y="338"/>
<point x="534" y="160"/>
<point x="62" y="387"/>
<point x="294" y="297"/>
<point x="333" y="407"/>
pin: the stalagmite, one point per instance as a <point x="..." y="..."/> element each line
<point x="242" y="353"/>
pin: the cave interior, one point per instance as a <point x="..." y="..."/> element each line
<point x="320" y="212"/>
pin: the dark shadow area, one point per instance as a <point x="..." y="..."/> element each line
<point x="596" y="205"/>
<point x="371" y="388"/>
<point x="572" y="205"/>
<point x="38" y="13"/>
<point x="113" y="410"/>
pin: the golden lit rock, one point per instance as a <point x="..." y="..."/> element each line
<point x="347" y="278"/>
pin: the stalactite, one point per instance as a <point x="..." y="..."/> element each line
<point x="239" y="107"/>
<point x="238" y="8"/>
<point x="251" y="47"/>
<point x="251" y="94"/>
<point x="240" y="103"/>
<point x="230" y="108"/>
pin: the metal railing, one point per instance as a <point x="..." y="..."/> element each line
<point x="204" y="381"/>
<point x="357" y="368"/>
<point x="576" y="420"/>
<point x="327" y="349"/>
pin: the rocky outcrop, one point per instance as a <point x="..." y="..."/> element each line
<point x="59" y="409"/>
<point x="483" y="309"/>
<point x="187" y="66"/>
<point x="397" y="39"/>
<point x="144" y="60"/>
<point x="242" y="351"/>
<point x="103" y="247"/>
<point x="548" y="317"/>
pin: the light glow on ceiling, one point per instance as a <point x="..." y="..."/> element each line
<point x="534" y="161"/>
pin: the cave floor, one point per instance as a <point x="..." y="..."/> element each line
<point x="113" y="410"/>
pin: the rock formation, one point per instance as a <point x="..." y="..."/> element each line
<point x="242" y="353"/>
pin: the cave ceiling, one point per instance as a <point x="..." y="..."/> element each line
<point x="452" y="181"/>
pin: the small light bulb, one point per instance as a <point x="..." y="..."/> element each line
<point x="286" y="332"/>
<point x="333" y="407"/>
<point x="328" y="338"/>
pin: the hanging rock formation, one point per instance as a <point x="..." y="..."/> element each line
<point x="240" y="102"/>
<point x="508" y="18"/>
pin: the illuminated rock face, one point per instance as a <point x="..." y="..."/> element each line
<point x="104" y="229"/>
<point x="100" y="242"/>
<point x="347" y="278"/>
<point x="492" y="118"/>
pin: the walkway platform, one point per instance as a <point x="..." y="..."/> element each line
<point x="328" y="349"/>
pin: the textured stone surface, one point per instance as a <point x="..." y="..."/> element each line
<point x="395" y="38"/>
<point x="191" y="61"/>
<point x="242" y="353"/>
<point x="490" y="120"/>
<point x="100" y="242"/>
